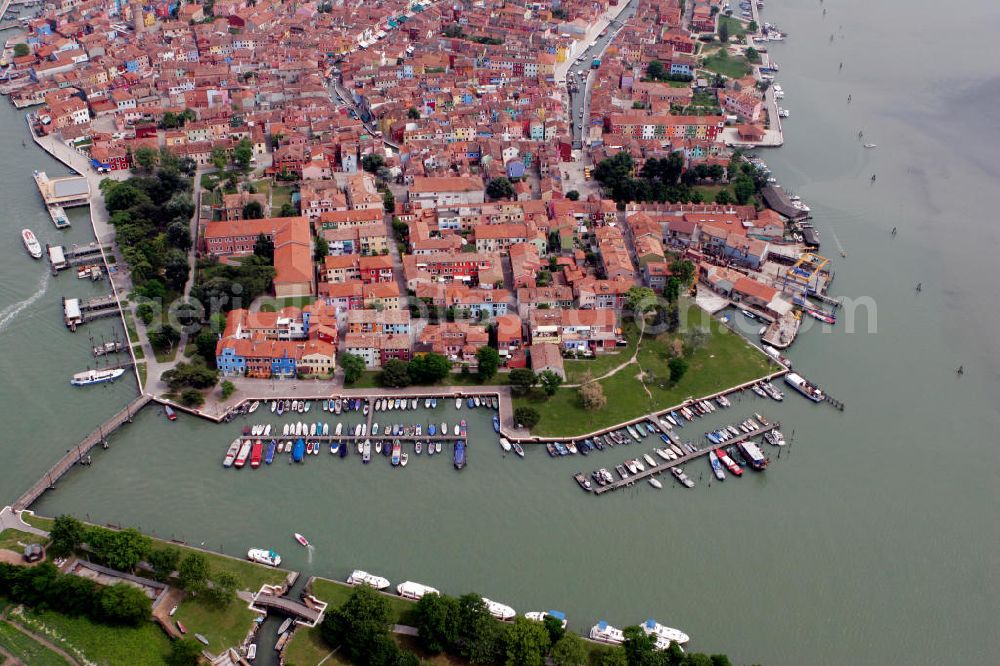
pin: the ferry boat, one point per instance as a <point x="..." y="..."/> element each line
<point x="302" y="540"/>
<point x="654" y="628"/>
<point x="96" y="376"/>
<point x="753" y="455"/>
<point x="261" y="556"/>
<point x="539" y="616"/>
<point x="459" y="456"/>
<point x="359" y="577"/>
<point x="716" y="466"/>
<point x="807" y="389"/>
<point x="498" y="610"/>
<point x="602" y="632"/>
<point x="414" y="591"/>
<point x="31" y="243"/>
<point x="298" y="450"/>
<point x="234" y="448"/>
<point x="244" y="453"/>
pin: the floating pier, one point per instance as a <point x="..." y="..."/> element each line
<point x="63" y="191"/>
<point x="77" y="312"/>
<point x="666" y="465"/>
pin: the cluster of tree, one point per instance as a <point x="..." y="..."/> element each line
<point x="657" y="71"/>
<point x="360" y="629"/>
<point x="21" y="49"/>
<point x="659" y="180"/>
<point x="222" y="287"/>
<point x="173" y="120"/>
<point x="523" y="380"/>
<point x="127" y="549"/>
<point x="151" y="216"/>
<point x="591" y="393"/>
<point x="500" y="188"/>
<point x="45" y="587"/>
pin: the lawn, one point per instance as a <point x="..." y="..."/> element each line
<point x="141" y="368"/>
<point x="280" y="195"/>
<point x="275" y="304"/>
<point x="26" y="649"/>
<point x="223" y="627"/>
<point x="724" y="360"/>
<point x="369" y="379"/>
<point x="307" y="649"/>
<point x="335" y="594"/>
<point x="736" y="27"/>
<point x="98" y="643"/>
<point x="721" y="62"/>
<point x="11" y="539"/>
<point x="602" y="363"/>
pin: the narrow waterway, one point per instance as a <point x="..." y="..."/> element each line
<point x="872" y="540"/>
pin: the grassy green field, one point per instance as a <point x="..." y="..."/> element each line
<point x="724" y="360"/>
<point x="736" y="27"/>
<point x="280" y="195"/>
<point x="27" y="649"/>
<point x="275" y="304"/>
<point x="603" y="363"/>
<point x="721" y="62"/>
<point x="12" y="539"/>
<point x="223" y="627"/>
<point x="97" y="643"/>
<point x="369" y="379"/>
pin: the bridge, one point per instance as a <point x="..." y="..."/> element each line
<point x="308" y="614"/>
<point x="80" y="451"/>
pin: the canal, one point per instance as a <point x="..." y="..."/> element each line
<point x="872" y="540"/>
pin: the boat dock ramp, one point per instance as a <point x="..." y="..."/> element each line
<point x="80" y="452"/>
<point x="61" y="258"/>
<point x="77" y="312"/>
<point x="58" y="216"/>
<point x="667" y="465"/>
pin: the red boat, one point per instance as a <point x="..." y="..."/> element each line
<point x="171" y="415"/>
<point x="181" y="628"/>
<point x="730" y="464"/>
<point x="256" y="454"/>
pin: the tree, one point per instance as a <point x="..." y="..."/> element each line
<point x="219" y="158"/>
<point x="222" y="590"/>
<point x="522" y="380"/>
<point x="500" y="188"/>
<point x="527" y="642"/>
<point x="21" y="49"/>
<point x="723" y="31"/>
<point x="322" y="249"/>
<point x="743" y="188"/>
<point x="121" y="550"/>
<point x="527" y="417"/>
<point x="354" y="367"/>
<point x="429" y="368"/>
<point x="193" y="571"/>
<point x="253" y="211"/>
<point x="287" y="210"/>
<point x="614" y="657"/>
<point x="263" y="247"/>
<point x="683" y="269"/>
<point x="194" y="375"/>
<point x="372" y="162"/>
<point x="570" y="650"/>
<point x="205" y="343"/>
<point x="640" y="300"/>
<point x="243" y="153"/>
<point x="555" y="627"/>
<point x="228" y="388"/>
<point x="678" y="366"/>
<point x="672" y="290"/>
<point x="488" y="360"/>
<point x="752" y="55"/>
<point x="179" y="235"/>
<point x="358" y="624"/>
<point x="722" y="198"/>
<point x="573" y="195"/>
<point x="67" y="534"/>
<point x="164" y="336"/>
<point x="145" y="312"/>
<point x="164" y="562"/>
<point x="435" y="622"/>
<point x="395" y="374"/>
<point x="472" y="625"/>
<point x="125" y="604"/>
<point x="146" y="157"/>
<point x="176" y="270"/>
<point x="184" y="652"/>
<point x="550" y="382"/>
<point x="191" y="397"/>
<point x="656" y="71"/>
<point x="592" y="396"/>
<point x="413" y="113"/>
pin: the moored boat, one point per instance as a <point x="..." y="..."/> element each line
<point x="298" y="450"/>
<point x="262" y="556"/>
<point x="89" y="377"/>
<point x="583" y="481"/>
<point x="169" y="411"/>
<point x="730" y="464"/>
<point x="496" y="423"/>
<point x="807" y="389"/>
<point x="682" y="477"/>
<point x="716" y="466"/>
<point x="498" y="610"/>
<point x="655" y="483"/>
<point x="269" y="455"/>
<point x="654" y="628"/>
<point x="414" y="591"/>
<point x="458" y="458"/>
<point x="602" y="632"/>
<point x="539" y="616"/>
<point x="504" y="444"/>
<point x="234" y="448"/>
<point x="244" y="453"/>
<point x="753" y="455"/>
<point x="359" y="577"/>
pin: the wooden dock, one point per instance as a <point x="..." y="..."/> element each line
<point x="666" y="465"/>
<point x="77" y="453"/>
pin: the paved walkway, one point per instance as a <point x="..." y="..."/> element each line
<point x="39" y="639"/>
<point x="11" y="520"/>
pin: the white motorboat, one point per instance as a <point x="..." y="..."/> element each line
<point x="339" y="430"/>
<point x="326" y="429"/>
<point x="602" y="632"/>
<point x="655" y="483"/>
<point x="539" y="616"/>
<point x="414" y="591"/>
<point x="871" y="145"/>
<point x="262" y="556"/>
<point x="31" y="243"/>
<point x="504" y="444"/>
<point x="437" y="447"/>
<point x="89" y="377"/>
<point x="359" y="577"/>
<point x="254" y="406"/>
<point x="654" y="628"/>
<point x="457" y="429"/>
<point x="404" y="459"/>
<point x="458" y="403"/>
<point x="649" y="460"/>
<point x="498" y="610"/>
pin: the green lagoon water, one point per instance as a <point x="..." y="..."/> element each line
<point x="872" y="540"/>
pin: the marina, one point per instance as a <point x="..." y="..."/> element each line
<point x="77" y="312"/>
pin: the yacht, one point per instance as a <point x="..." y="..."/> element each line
<point x="498" y="610"/>
<point x="89" y="377"/>
<point x="359" y="577"/>
<point x="414" y="591"/>
<point x="262" y="556"/>
<point x="539" y="616"/>
<point x="602" y="632"/>
<point x="654" y="628"/>
<point x="31" y="243"/>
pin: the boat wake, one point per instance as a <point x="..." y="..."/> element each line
<point x="309" y="553"/>
<point x="8" y="314"/>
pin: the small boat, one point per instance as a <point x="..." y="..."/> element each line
<point x="404" y="459"/>
<point x="96" y="376"/>
<point x="730" y="464"/>
<point x="716" y="464"/>
<point x="437" y="447"/>
<point x="234" y="448"/>
<point x="457" y="429"/>
<point x="681" y="477"/>
<point x="269" y="455"/>
<point x="335" y="447"/>
<point x="312" y="429"/>
<point x="364" y="409"/>
<point x="633" y="432"/>
<point x="458" y="458"/>
<point x="413" y="403"/>
<point x="201" y="639"/>
<point x="281" y="407"/>
<point x="649" y="460"/>
<point x="337" y="406"/>
<point x="344" y="449"/>
<point x="285" y="625"/>
<point x="298" y="450"/>
<point x="504" y="444"/>
<point x="307" y="405"/>
<point x="427" y="403"/>
<point x="418" y="448"/>
<point x="500" y="611"/>
<point x="378" y="447"/>
<point x="477" y="401"/>
<point x="31" y="243"/>
<point x="458" y="403"/>
<point x="244" y="453"/>
<point x="180" y="627"/>
<point x="302" y="540"/>
<point x="434" y="403"/>
<point x="374" y="429"/>
<point x="366" y="451"/>
<point x="655" y="483"/>
<point x="430" y="448"/>
<point x="418" y="430"/>
<point x="396" y="450"/>
<point x="496" y="423"/>
<point x="339" y="429"/>
<point x="871" y="145"/>
<point x="359" y="577"/>
<point x="171" y="414"/>
<point x="470" y="403"/>
<point x="254" y="406"/>
<point x="414" y="591"/>
<point x="518" y="449"/>
<point x="463" y="428"/>
<point x="262" y="556"/>
<point x="583" y="481"/>
<point x="431" y="429"/>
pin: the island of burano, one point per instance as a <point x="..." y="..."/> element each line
<point x="498" y="332"/>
